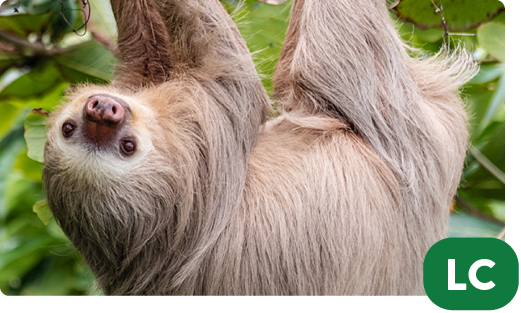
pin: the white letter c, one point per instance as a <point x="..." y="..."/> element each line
<point x="474" y="269"/>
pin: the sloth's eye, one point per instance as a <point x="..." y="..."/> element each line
<point x="128" y="146"/>
<point x="68" y="129"/>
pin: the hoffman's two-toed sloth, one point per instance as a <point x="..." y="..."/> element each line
<point x="172" y="179"/>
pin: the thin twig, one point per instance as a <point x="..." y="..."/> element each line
<point x="462" y="34"/>
<point x="440" y="9"/>
<point x="16" y="7"/>
<point x="86" y="16"/>
<point x="487" y="164"/>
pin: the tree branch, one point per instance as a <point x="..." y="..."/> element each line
<point x="37" y="47"/>
<point x="440" y="9"/>
<point x="467" y="207"/>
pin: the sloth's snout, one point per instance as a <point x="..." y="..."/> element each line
<point x="103" y="117"/>
<point x="104" y="110"/>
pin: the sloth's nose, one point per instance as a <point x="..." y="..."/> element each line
<point x="102" y="109"/>
<point x="103" y="116"/>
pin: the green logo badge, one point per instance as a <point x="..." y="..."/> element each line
<point x="471" y="274"/>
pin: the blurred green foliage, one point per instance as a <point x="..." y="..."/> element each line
<point x="40" y="56"/>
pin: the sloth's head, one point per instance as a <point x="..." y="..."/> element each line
<point x="116" y="169"/>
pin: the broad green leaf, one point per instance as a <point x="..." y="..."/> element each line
<point x="459" y="15"/>
<point x="22" y="24"/>
<point x="497" y="100"/>
<point x="36" y="6"/>
<point x="429" y="35"/>
<point x="20" y="193"/>
<point x="498" y="209"/>
<point x="61" y="17"/>
<point x="16" y="261"/>
<point x="42" y="210"/>
<point x="462" y="224"/>
<point x="264" y="33"/>
<point x="478" y="182"/>
<point x="19" y="267"/>
<point x="8" y="117"/>
<point x="500" y="18"/>
<point x="420" y="39"/>
<point x="47" y="101"/>
<point x="55" y="280"/>
<point x="36" y="134"/>
<point x="7" y="60"/>
<point x="90" y="62"/>
<point x="491" y="37"/>
<point x="495" y="149"/>
<point x="29" y="82"/>
<point x="478" y="98"/>
<point x="49" y="16"/>
<point x="487" y="73"/>
<point x="31" y="169"/>
<point x="10" y="146"/>
<point x="102" y="20"/>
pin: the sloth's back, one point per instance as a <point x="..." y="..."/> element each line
<point x="321" y="214"/>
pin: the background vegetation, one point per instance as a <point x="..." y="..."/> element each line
<point x="41" y="55"/>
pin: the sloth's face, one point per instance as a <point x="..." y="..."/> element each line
<point x="106" y="181"/>
<point x="102" y="131"/>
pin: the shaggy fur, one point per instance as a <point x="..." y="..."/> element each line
<point x="343" y="194"/>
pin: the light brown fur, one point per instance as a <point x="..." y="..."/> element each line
<point x="342" y="194"/>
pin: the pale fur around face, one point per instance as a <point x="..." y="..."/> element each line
<point x="342" y="194"/>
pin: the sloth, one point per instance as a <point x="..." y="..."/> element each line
<point x="179" y="178"/>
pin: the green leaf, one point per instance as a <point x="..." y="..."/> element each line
<point x="264" y="34"/>
<point x="7" y="60"/>
<point x="23" y="83"/>
<point x="89" y="63"/>
<point x="491" y="37"/>
<point x="21" y="258"/>
<point x="60" y="23"/>
<point x="497" y="100"/>
<point x="102" y="19"/>
<point x="498" y="209"/>
<point x="36" y="134"/>
<point x="487" y="73"/>
<point x="42" y="210"/>
<point x="429" y="35"/>
<point x="8" y="117"/>
<point x="478" y="182"/>
<point x="31" y="169"/>
<point x="462" y="224"/>
<point x="47" y="101"/>
<point x="20" y="193"/>
<point x="459" y="15"/>
<point x="478" y="98"/>
<point x="10" y="146"/>
<point x="22" y="24"/>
